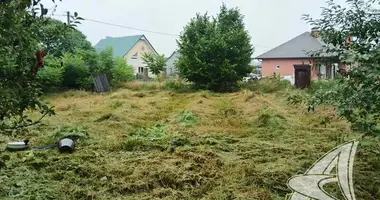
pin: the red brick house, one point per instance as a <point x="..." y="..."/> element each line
<point x="285" y="59"/>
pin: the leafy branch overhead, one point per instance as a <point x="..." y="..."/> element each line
<point x="21" y="57"/>
<point x="352" y="35"/>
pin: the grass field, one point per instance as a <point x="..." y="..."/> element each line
<point x="142" y="143"/>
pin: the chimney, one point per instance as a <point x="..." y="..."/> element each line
<point x="315" y="32"/>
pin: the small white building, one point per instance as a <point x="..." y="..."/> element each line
<point x="171" y="69"/>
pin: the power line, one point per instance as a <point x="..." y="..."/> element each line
<point x="127" y="27"/>
<point x="144" y="30"/>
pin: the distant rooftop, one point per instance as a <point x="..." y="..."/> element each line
<point x="120" y="45"/>
<point x="297" y="47"/>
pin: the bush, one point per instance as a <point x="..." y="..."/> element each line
<point x="51" y="74"/>
<point x="76" y="72"/>
<point x="317" y="85"/>
<point x="121" y="71"/>
<point x="215" y="53"/>
<point x="297" y="97"/>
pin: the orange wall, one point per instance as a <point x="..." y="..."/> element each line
<point x="286" y="66"/>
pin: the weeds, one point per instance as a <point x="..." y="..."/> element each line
<point x="177" y="85"/>
<point x="297" y="98"/>
<point x="187" y="118"/>
<point x="69" y="131"/>
<point x="270" y="119"/>
<point x="267" y="85"/>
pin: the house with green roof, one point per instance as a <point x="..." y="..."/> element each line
<point x="131" y="48"/>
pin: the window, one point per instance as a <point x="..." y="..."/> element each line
<point x="141" y="70"/>
<point x="277" y="67"/>
<point x="135" y="56"/>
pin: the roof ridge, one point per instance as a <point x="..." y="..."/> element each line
<point x="121" y="45"/>
<point x="110" y="37"/>
<point x="290" y="40"/>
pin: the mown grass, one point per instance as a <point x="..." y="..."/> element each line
<point x="140" y="142"/>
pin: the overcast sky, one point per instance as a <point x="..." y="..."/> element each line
<point x="269" y="22"/>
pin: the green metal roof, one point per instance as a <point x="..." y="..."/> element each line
<point x="120" y="45"/>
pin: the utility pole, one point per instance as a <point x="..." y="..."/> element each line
<point x="68" y="17"/>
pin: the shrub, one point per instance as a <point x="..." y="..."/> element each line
<point x="215" y="52"/>
<point x="50" y="76"/>
<point x="297" y="98"/>
<point x="121" y="71"/>
<point x="76" y="72"/>
<point x="317" y="85"/>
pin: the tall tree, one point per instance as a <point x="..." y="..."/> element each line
<point x="357" y="93"/>
<point x="66" y="41"/>
<point x="215" y="53"/>
<point x="21" y="56"/>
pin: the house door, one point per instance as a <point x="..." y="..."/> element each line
<point x="302" y="76"/>
<point x="146" y="76"/>
<point x="329" y="72"/>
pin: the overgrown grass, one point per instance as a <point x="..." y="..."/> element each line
<point x="267" y="85"/>
<point x="146" y="143"/>
<point x="321" y="85"/>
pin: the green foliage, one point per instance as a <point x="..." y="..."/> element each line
<point x="355" y="95"/>
<point x="106" y="62"/>
<point x="76" y="72"/>
<point x="66" y="41"/>
<point x="145" y="138"/>
<point x="321" y="85"/>
<point x="121" y="71"/>
<point x="297" y="97"/>
<point x="21" y="40"/>
<point x="177" y="85"/>
<point x="90" y="57"/>
<point x="73" y="132"/>
<point x="270" y="119"/>
<point x="215" y="53"/>
<point x="52" y="73"/>
<point x="155" y="62"/>
<point x="187" y="118"/>
<point x="267" y="85"/>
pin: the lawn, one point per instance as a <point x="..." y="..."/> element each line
<point x="144" y="143"/>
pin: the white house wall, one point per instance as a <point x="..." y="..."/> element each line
<point x="140" y="48"/>
<point x="170" y="63"/>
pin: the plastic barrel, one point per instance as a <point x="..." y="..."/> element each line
<point x="66" y="146"/>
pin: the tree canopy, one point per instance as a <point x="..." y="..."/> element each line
<point x="66" y="41"/>
<point x="357" y="92"/>
<point x="215" y="53"/>
<point x="21" y="57"/>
